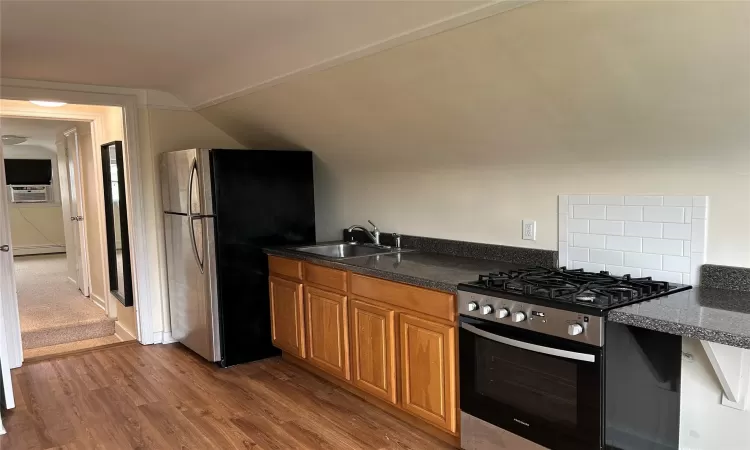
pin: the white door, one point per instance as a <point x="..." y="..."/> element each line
<point x="10" y="327"/>
<point x="76" y="210"/>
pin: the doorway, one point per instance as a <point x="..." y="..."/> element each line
<point x="58" y="240"/>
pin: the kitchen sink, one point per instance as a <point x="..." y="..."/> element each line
<point x="347" y="250"/>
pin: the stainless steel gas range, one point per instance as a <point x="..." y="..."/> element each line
<point x="534" y="367"/>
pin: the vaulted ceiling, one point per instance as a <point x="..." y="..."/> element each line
<point x="200" y="51"/>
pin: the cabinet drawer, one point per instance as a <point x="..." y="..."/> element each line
<point x="286" y="267"/>
<point x="433" y="303"/>
<point x="324" y="276"/>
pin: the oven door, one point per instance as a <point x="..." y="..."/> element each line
<point x="543" y="388"/>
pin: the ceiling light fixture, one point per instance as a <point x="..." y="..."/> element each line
<point x="12" y="139"/>
<point x="47" y="103"/>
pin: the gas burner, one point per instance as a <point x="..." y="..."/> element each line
<point x="601" y="290"/>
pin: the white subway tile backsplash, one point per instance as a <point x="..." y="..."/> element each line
<point x="612" y="227"/>
<point x="643" y="260"/>
<point x="664" y="214"/>
<point x="578" y="199"/>
<point x="620" y="271"/>
<point x="678" y="200"/>
<point x="562" y="254"/>
<point x="676" y="263"/>
<point x="588" y="240"/>
<point x="688" y="214"/>
<point x="662" y="275"/>
<point x="634" y="213"/>
<point x="605" y="257"/>
<point x="699" y="212"/>
<point x="677" y="230"/>
<point x="588" y="267"/>
<point x="578" y="254"/>
<point x="607" y="199"/>
<point x="578" y="225"/>
<point x="589" y="212"/>
<point x="562" y="227"/>
<point x="662" y="246"/>
<point x="624" y="243"/>
<point x="643" y="229"/>
<point x="696" y="261"/>
<point x="698" y="235"/>
<point x="644" y="200"/>
<point x="642" y="235"/>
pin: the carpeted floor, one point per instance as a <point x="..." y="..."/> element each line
<point x="51" y="308"/>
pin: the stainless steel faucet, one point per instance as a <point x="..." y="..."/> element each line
<point x="374" y="235"/>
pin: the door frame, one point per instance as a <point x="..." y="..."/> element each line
<point x="143" y="273"/>
<point x="82" y="251"/>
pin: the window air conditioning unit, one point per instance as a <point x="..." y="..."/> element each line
<point x="29" y="194"/>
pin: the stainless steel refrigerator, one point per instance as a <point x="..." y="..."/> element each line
<point x="221" y="208"/>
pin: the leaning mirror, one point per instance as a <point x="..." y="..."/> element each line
<point x="116" y="216"/>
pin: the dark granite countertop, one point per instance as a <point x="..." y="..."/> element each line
<point x="705" y="313"/>
<point x="429" y="270"/>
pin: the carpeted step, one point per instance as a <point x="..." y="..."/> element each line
<point x="70" y="347"/>
<point x="67" y="333"/>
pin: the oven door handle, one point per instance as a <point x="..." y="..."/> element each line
<point x="531" y="347"/>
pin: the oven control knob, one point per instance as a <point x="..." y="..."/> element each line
<point x="502" y="313"/>
<point x="472" y="306"/>
<point x="486" y="309"/>
<point x="575" y="329"/>
<point x="518" y="317"/>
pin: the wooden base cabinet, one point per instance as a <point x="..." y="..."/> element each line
<point x="374" y="349"/>
<point x="428" y="370"/>
<point x="287" y="320"/>
<point x="391" y="343"/>
<point x="327" y="331"/>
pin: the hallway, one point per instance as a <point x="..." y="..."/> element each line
<point x="53" y="311"/>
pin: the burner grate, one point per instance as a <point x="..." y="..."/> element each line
<point x="574" y="286"/>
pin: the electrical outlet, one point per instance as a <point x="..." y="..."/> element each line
<point x="529" y="230"/>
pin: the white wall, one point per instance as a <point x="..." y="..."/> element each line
<point x="463" y="134"/>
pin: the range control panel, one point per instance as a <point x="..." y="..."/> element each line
<point x="542" y="319"/>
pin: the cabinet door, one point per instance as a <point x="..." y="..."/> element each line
<point x="428" y="370"/>
<point x="327" y="331"/>
<point x="287" y="324"/>
<point x="374" y="349"/>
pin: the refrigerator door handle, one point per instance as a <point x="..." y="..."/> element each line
<point x="194" y="243"/>
<point x="193" y="171"/>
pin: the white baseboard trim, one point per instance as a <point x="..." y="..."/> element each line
<point x="98" y="301"/>
<point x="122" y="333"/>
<point x="163" y="337"/>
<point x="37" y="249"/>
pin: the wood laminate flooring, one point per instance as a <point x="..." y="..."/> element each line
<point x="166" y="397"/>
